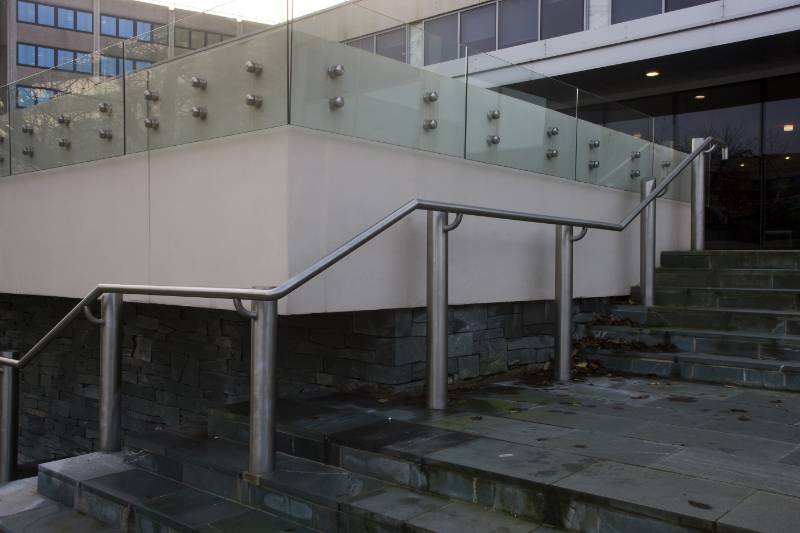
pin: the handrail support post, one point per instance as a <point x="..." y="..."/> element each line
<point x="263" y="387"/>
<point x="699" y="178"/>
<point x="647" y="247"/>
<point x="563" y="297"/>
<point x="9" y="422"/>
<point x="111" y="372"/>
<point x="437" y="302"/>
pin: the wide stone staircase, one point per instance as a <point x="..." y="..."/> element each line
<point x="729" y="317"/>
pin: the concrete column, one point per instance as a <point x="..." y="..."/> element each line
<point x="599" y="14"/>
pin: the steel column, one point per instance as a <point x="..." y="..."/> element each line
<point x="263" y="387"/>
<point x="647" y="247"/>
<point x="110" y="373"/>
<point x="437" y="310"/>
<point x="9" y="421"/>
<point x="563" y="303"/>
<point x="699" y="177"/>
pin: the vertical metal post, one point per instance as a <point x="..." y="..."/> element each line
<point x="263" y="387"/>
<point x="699" y="177"/>
<point x="563" y="303"/>
<point x="437" y="310"/>
<point x="9" y="422"/>
<point x="110" y="373"/>
<point x="647" y="247"/>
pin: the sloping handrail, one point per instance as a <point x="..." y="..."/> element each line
<point x="349" y="247"/>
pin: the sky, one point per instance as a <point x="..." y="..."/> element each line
<point x="266" y="11"/>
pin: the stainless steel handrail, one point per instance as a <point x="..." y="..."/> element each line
<point x="349" y="247"/>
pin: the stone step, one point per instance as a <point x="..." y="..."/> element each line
<point x="761" y="259"/>
<point x="708" y="368"/>
<point x="106" y="488"/>
<point x="576" y="488"/>
<point x="743" y="321"/>
<point x="323" y="497"/>
<point x="725" y="298"/>
<point x="731" y="343"/>
<point x="743" y="278"/>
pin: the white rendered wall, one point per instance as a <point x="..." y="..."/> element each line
<point x="254" y="208"/>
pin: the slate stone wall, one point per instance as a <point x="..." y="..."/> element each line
<point x="179" y="361"/>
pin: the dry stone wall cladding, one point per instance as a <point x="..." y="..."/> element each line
<point x="179" y="361"/>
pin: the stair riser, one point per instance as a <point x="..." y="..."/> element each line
<point x="709" y="298"/>
<point x="751" y="348"/>
<point x="724" y="321"/>
<point x="717" y="374"/>
<point x="788" y="260"/>
<point x="727" y="279"/>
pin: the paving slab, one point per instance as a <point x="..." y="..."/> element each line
<point x="53" y="518"/>
<point x="88" y="466"/>
<point x="659" y="494"/>
<point x="749" y="424"/>
<point x="131" y="486"/>
<point x="511" y="461"/>
<point x="20" y="496"/>
<point x="253" y="522"/>
<point x="189" y="508"/>
<point x="723" y="467"/>
<point x="394" y="506"/>
<point x="501" y="428"/>
<point x="792" y="458"/>
<point x="762" y="511"/>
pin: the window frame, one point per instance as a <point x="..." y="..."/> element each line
<point x="223" y="37"/>
<point x="35" y="11"/>
<point x="56" y="11"/>
<point x="43" y="5"/>
<point x="374" y="37"/>
<point x="56" y="63"/>
<point x="35" y="54"/>
<point x="136" y="32"/>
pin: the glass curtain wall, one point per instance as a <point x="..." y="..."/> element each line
<point x="754" y="197"/>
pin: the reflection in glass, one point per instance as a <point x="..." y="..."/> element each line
<point x="518" y="22"/>
<point x="441" y="39"/>
<point x="624" y="10"/>
<point x="560" y="17"/>
<point x="478" y="30"/>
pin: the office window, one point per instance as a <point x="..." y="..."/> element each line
<point x="83" y="62"/>
<point x="108" y="25"/>
<point x="365" y="43"/>
<point x="182" y="39"/>
<point x="518" y="22"/>
<point x="672" y="5"/>
<point x="66" y="18"/>
<point x="160" y="35"/>
<point x="392" y="44"/>
<point x="213" y="38"/>
<point x="441" y="39"/>
<point x="125" y="28"/>
<point x="624" y="10"/>
<point x="26" y="12"/>
<point x="45" y="57"/>
<point x="26" y="54"/>
<point x="25" y="97"/>
<point x="108" y="66"/>
<point x="143" y="31"/>
<point x="198" y="39"/>
<point x="478" y="30"/>
<point x="84" y="21"/>
<point x="561" y="17"/>
<point x="66" y="60"/>
<point x="45" y="15"/>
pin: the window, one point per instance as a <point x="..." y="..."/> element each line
<point x="365" y="43"/>
<point x="115" y="66"/>
<point x="143" y="31"/>
<point x="45" y="57"/>
<point x="84" y="21"/>
<point x="561" y="17"/>
<point x="26" y="12"/>
<point x="518" y="22"/>
<point x="108" y="25"/>
<point x="28" y="96"/>
<point x="26" y="54"/>
<point x="672" y="5"/>
<point x="45" y="15"/>
<point x="478" y="27"/>
<point x="624" y="10"/>
<point x="181" y="37"/>
<point x="198" y="39"/>
<point x="108" y="66"/>
<point x="392" y="44"/>
<point x="83" y="62"/>
<point x="441" y="39"/>
<point x="125" y="28"/>
<point x="66" y="18"/>
<point x="66" y="60"/>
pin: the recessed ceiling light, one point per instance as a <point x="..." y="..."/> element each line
<point x="699" y="97"/>
<point x="653" y="74"/>
<point x="741" y="165"/>
<point x="788" y="157"/>
<point x="788" y="127"/>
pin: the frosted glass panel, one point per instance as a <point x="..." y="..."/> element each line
<point x="520" y="119"/>
<point x="230" y="88"/>
<point x="374" y="97"/>
<point x="56" y="120"/>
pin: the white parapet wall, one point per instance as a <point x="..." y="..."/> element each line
<point x="253" y="209"/>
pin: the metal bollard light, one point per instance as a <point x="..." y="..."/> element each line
<point x="110" y="373"/>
